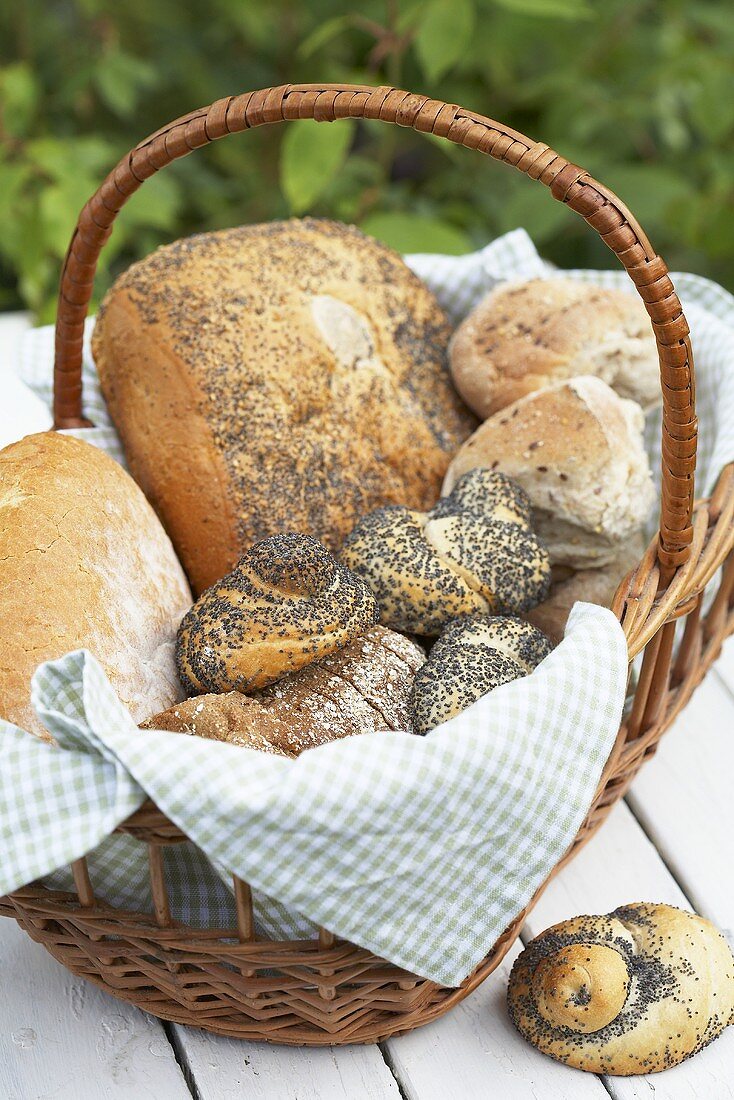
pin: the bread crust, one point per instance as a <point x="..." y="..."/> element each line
<point x="84" y="563"/>
<point x="524" y="336"/>
<point x="225" y="361"/>
<point x="635" y="991"/>
<point x="362" y="688"/>
<point x="576" y="449"/>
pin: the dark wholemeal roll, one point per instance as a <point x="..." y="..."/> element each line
<point x="362" y="688"/>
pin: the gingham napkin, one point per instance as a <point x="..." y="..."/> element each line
<point x="421" y="849"/>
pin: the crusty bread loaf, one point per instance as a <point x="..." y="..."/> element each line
<point x="363" y="688"/>
<point x="84" y="563"/>
<point x="474" y="552"/>
<point x="523" y="336"/>
<point x="279" y="377"/>
<point x="576" y="448"/>
<point x="473" y="655"/>
<point x="635" y="991"/>
<point x="287" y="602"/>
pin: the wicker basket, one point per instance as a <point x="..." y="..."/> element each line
<point x="324" y="990"/>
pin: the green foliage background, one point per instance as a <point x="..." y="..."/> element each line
<point x="639" y="92"/>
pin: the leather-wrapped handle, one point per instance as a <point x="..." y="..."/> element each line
<point x="326" y="102"/>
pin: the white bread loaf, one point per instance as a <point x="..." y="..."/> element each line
<point x="524" y="336"/>
<point x="84" y="563"/>
<point x="576" y="449"/>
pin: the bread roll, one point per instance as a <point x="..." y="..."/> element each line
<point x="287" y="602"/>
<point x="84" y="563"/>
<point x="363" y="688"/>
<point x="473" y="552"/>
<point x="278" y="377"/>
<point x="524" y="336"/>
<point x="472" y="657"/>
<point x="636" y="991"/>
<point x="597" y="586"/>
<point x="576" y="449"/>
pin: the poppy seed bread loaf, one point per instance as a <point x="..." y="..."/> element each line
<point x="524" y="336"/>
<point x="472" y="656"/>
<point x="362" y="688"/>
<point x="287" y="602"/>
<point x="474" y="552"/>
<point x="273" y="378"/>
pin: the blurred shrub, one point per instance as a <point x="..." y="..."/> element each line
<point x="637" y="91"/>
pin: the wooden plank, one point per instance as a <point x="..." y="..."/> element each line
<point x="61" y="1037"/>
<point x="230" y="1069"/>
<point x="724" y="668"/>
<point x="683" y="799"/>
<point x="620" y="865"/>
<point x="474" y="1051"/>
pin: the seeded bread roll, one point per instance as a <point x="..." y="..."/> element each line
<point x="636" y="991"/>
<point x="362" y="688"/>
<point x="286" y="603"/>
<point x="473" y="552"/>
<point x="524" y="336"/>
<point x="577" y="451"/>
<point x="279" y="377"/>
<point x="84" y="564"/>
<point x="471" y="657"/>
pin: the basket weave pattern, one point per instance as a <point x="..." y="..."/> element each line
<point x="325" y="991"/>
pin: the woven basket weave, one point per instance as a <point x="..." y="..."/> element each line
<point x="326" y="991"/>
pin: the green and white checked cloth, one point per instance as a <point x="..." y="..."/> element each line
<point x="420" y="849"/>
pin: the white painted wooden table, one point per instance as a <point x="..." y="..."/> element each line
<point x="671" y="841"/>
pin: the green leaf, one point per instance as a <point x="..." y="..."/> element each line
<point x="443" y="35"/>
<point x="20" y="96"/>
<point x="416" y="233"/>
<point x="310" y="157"/>
<point x="550" y="9"/>
<point x="157" y="206"/>
<point x="648" y="190"/>
<point x="532" y="208"/>
<point x="120" y="81"/>
<point x="324" y="33"/>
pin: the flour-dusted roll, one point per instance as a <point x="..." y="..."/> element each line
<point x="576" y="448"/>
<point x="525" y="336"/>
<point x="286" y="603"/>
<point x="474" y="552"/>
<point x="278" y="377"/>
<point x="472" y="656"/>
<point x="84" y="563"/>
<point x="362" y="688"/>
<point x="636" y="991"/>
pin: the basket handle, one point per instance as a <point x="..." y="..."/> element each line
<point x="324" y="103"/>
